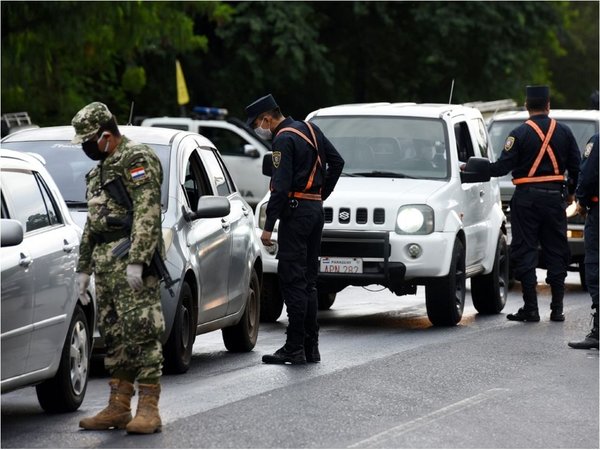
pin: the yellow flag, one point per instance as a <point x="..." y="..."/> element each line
<point x="182" y="92"/>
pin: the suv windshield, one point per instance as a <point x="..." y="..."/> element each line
<point x="68" y="166"/>
<point x="500" y="129"/>
<point x="404" y="147"/>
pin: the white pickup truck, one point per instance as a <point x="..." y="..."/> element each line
<point x="403" y="214"/>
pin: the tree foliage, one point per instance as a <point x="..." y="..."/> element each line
<point x="58" y="56"/>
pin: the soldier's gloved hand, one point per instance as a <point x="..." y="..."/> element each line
<point x="84" y="282"/>
<point x="134" y="276"/>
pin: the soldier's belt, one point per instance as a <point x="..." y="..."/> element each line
<point x="103" y="238"/>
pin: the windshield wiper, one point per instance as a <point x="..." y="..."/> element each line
<point x="76" y="203"/>
<point x="350" y="174"/>
<point x="380" y="173"/>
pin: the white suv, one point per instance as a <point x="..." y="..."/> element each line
<point x="403" y="214"/>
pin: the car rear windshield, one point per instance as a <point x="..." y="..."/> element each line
<point x="404" y="147"/>
<point x="68" y="166"/>
<point x="583" y="130"/>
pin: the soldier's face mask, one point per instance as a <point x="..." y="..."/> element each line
<point x="263" y="133"/>
<point x="92" y="150"/>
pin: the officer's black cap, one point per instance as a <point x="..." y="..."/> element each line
<point x="262" y="105"/>
<point x="537" y="92"/>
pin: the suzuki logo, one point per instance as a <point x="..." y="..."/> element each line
<point x="344" y="216"/>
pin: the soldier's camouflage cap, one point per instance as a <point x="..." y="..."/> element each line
<point x="88" y="121"/>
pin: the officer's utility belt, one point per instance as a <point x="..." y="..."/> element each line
<point x="111" y="236"/>
<point x="304" y="196"/>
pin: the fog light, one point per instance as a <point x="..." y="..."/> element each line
<point x="414" y="250"/>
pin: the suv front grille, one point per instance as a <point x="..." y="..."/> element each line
<point x="359" y="215"/>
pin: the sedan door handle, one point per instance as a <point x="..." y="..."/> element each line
<point x="68" y="248"/>
<point x="25" y="261"/>
<point x="481" y="193"/>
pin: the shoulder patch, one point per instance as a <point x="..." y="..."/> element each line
<point x="509" y="143"/>
<point x="276" y="159"/>
<point x="588" y="149"/>
<point x="138" y="173"/>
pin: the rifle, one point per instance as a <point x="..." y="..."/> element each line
<point x="116" y="189"/>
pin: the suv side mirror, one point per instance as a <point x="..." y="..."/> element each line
<point x="267" y="166"/>
<point x="251" y="151"/>
<point x="477" y="170"/>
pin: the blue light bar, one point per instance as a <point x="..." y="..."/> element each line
<point x="210" y="111"/>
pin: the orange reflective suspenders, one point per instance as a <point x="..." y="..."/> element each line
<point x="304" y="194"/>
<point x="545" y="148"/>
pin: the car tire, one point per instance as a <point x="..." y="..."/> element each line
<point x="489" y="291"/>
<point x="66" y="390"/>
<point x="326" y="300"/>
<point x="177" y="351"/>
<point x="445" y="296"/>
<point x="242" y="336"/>
<point x="271" y="301"/>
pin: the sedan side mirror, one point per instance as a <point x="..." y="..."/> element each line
<point x="267" y="166"/>
<point x="11" y="232"/>
<point x="251" y="151"/>
<point x="477" y="170"/>
<point x="209" y="207"/>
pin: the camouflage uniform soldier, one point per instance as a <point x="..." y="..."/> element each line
<point x="128" y="294"/>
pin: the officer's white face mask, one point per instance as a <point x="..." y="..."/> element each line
<point x="263" y="133"/>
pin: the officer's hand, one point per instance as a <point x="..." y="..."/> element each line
<point x="134" y="276"/>
<point x="581" y="210"/>
<point x="84" y="282"/>
<point x="462" y="167"/>
<point x="265" y="238"/>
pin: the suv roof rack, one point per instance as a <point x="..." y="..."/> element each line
<point x="16" y="119"/>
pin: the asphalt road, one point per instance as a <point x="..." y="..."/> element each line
<point x="388" y="379"/>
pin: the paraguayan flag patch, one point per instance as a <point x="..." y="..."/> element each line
<point x="138" y="173"/>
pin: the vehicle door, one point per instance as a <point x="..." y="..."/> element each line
<point x="53" y="249"/>
<point x="242" y="154"/>
<point x="477" y="197"/>
<point x="241" y="227"/>
<point x="17" y="296"/>
<point x="208" y="242"/>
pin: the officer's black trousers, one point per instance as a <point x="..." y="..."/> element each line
<point x="538" y="217"/>
<point x="299" y="239"/>
<point x="591" y="254"/>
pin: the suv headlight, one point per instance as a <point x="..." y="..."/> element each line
<point x="262" y="215"/>
<point x="414" y="219"/>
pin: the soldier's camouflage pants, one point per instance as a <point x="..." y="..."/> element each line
<point x="131" y="324"/>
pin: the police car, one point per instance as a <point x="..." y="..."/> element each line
<point x="403" y="214"/>
<point x="240" y="148"/>
<point x="584" y="124"/>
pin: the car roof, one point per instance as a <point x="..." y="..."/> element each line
<point x="20" y="160"/>
<point x="581" y="114"/>
<point x="147" y="135"/>
<point x="425" y="110"/>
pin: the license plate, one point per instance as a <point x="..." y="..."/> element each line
<point x="341" y="265"/>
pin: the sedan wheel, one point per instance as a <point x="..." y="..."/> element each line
<point x="242" y="336"/>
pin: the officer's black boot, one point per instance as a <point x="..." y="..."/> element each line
<point x="591" y="340"/>
<point x="556" y="305"/>
<point x="529" y="312"/>
<point x="285" y="355"/>
<point x="311" y="350"/>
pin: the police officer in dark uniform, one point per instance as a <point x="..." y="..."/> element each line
<point x="306" y="167"/>
<point x="587" y="198"/>
<point x="538" y="152"/>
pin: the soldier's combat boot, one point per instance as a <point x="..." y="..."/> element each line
<point x="285" y="356"/>
<point x="118" y="412"/>
<point x="311" y="350"/>
<point x="147" y="420"/>
<point x="591" y="340"/>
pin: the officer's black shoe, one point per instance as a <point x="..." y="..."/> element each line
<point x="557" y="316"/>
<point x="284" y="356"/>
<point x="311" y="350"/>
<point x="524" y="316"/>
<point x="590" y="341"/>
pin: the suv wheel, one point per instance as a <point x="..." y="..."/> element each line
<point x="65" y="392"/>
<point x="242" y="337"/>
<point x="271" y="301"/>
<point x="445" y="296"/>
<point x="177" y="351"/>
<point x="489" y="291"/>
